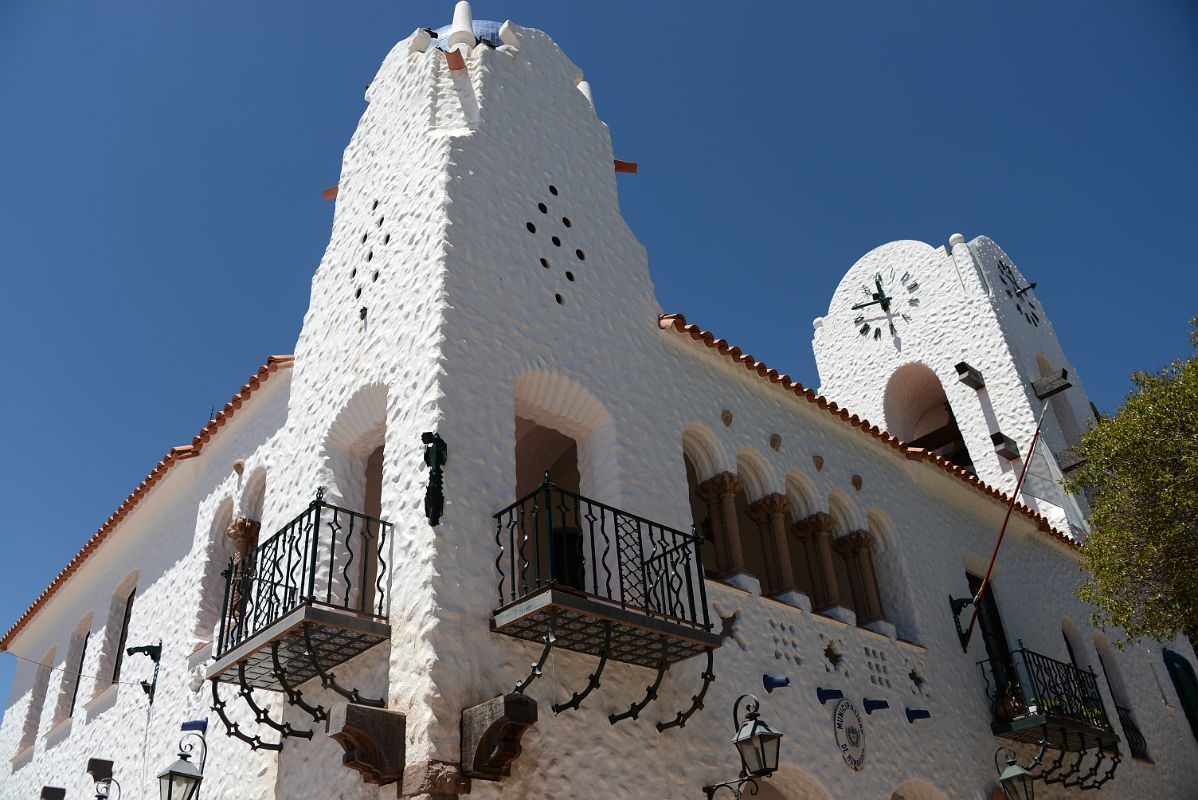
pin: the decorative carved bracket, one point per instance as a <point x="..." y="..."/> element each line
<point x="374" y="741"/>
<point x="491" y="734"/>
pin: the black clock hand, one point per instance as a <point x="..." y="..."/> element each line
<point x="870" y="303"/>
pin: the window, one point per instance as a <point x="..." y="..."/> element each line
<point x="120" y="645"/>
<point x="73" y="671"/>
<point x="1181" y="672"/>
<point x="37" y="698"/>
<point x="77" y="678"/>
<point x="993" y="636"/>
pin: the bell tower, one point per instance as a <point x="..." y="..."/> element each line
<point x="949" y="349"/>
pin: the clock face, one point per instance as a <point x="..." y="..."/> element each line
<point x="1021" y="296"/>
<point x="886" y="307"/>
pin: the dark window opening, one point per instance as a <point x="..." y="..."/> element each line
<point x="120" y="645"/>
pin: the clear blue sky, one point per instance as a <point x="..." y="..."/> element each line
<point x="161" y="167"/>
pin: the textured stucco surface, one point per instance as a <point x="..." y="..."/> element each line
<point x="462" y="332"/>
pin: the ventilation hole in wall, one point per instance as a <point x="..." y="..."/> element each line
<point x="374" y="205"/>
<point x="375" y="277"/>
<point x="370" y="255"/>
<point x="387" y="239"/>
<point x="552" y="190"/>
<point x="358" y="292"/>
<point x="566" y="221"/>
<point x="581" y="255"/>
<point x="557" y="242"/>
<point x="363" y="238"/>
<point x="544" y="209"/>
<point x="545" y="263"/>
<point x="570" y="276"/>
<point x="531" y="228"/>
<point x="559" y="299"/>
<point x="380" y="223"/>
<point x="353" y="273"/>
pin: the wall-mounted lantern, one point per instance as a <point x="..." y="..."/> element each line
<point x="1016" y="782"/>
<point x="181" y="780"/>
<point x="757" y="743"/>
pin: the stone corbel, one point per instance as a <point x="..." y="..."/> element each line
<point x="491" y="734"/>
<point x="374" y="741"/>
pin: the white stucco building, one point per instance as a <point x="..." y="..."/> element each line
<point x="378" y="640"/>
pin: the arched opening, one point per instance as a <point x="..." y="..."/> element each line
<point x="918" y="412"/>
<point x="216" y="548"/>
<point x="37" y="700"/>
<point x="894" y="587"/>
<point x="72" y="674"/>
<point x="116" y="631"/>
<point x="1073" y="644"/>
<point x="354" y="455"/>
<point x="917" y="789"/>
<point x="843" y="524"/>
<point x="701" y="516"/>
<point x="563" y="434"/>
<point x="1118" y="689"/>
<point x="753" y="486"/>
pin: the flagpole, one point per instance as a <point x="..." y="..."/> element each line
<point x="1002" y="531"/>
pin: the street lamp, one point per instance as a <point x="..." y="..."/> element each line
<point x="757" y="744"/>
<point x="1016" y="782"/>
<point x="181" y="780"/>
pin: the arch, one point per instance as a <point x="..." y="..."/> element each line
<point x="357" y="431"/>
<point x="801" y="493"/>
<point x="72" y="670"/>
<point x="116" y="626"/>
<point x="559" y="404"/>
<point x="917" y="789"/>
<point x="1110" y="668"/>
<point x="704" y="450"/>
<point x="792" y="783"/>
<point x="701" y="517"/>
<point x="755" y="471"/>
<point x="894" y="584"/>
<point x="253" y="495"/>
<point x="1073" y="643"/>
<point x="844" y="511"/>
<point x="216" y="550"/>
<point x="917" y="410"/>
<point x="37" y="700"/>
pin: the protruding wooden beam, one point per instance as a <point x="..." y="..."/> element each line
<point x="454" y="59"/>
<point x="626" y="166"/>
<point x="330" y="193"/>
<point x="491" y="734"/>
<point x="374" y="741"/>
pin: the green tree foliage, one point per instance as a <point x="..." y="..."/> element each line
<point x="1141" y="472"/>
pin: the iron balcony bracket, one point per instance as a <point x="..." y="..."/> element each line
<point x="234" y="729"/>
<point x="294" y="696"/>
<point x="261" y="715"/>
<point x="539" y="666"/>
<point x="1063" y="777"/>
<point x="1048" y="774"/>
<point x="959" y="604"/>
<point x="593" y="682"/>
<point x="634" y="711"/>
<point x="1086" y="781"/>
<point x="328" y="680"/>
<point x="681" y="717"/>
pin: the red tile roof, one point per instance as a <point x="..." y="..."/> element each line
<point x="678" y="323"/>
<point x="175" y="455"/>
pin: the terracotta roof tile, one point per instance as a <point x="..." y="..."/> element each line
<point x="678" y="323"/>
<point x="180" y="453"/>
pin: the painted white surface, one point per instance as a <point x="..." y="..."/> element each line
<point x="463" y="331"/>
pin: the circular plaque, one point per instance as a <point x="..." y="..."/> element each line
<point x="850" y="734"/>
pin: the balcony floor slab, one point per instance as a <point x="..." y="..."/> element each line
<point x="636" y="638"/>
<point x="337" y="634"/>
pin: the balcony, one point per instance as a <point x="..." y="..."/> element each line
<point x="312" y="596"/>
<point x="594" y="579"/>
<point x="1040" y="700"/>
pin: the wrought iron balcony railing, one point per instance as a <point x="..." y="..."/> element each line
<point x="570" y="567"/>
<point x="1131" y="731"/>
<point x="555" y="538"/>
<point x="327" y="556"/>
<point x="1029" y="691"/>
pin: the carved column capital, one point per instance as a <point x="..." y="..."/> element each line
<point x="820" y="522"/>
<point x="772" y="505"/>
<point x="244" y="533"/>
<point x="723" y="484"/>
<point x="857" y="541"/>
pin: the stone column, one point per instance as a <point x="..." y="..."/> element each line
<point x="855" y="548"/>
<point x="816" y="534"/>
<point x="770" y="514"/>
<point x="719" y="492"/>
